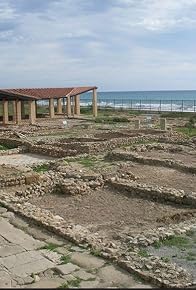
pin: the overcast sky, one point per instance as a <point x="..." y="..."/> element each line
<point x="114" y="44"/>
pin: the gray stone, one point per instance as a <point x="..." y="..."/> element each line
<point x="26" y="263"/>
<point x="3" y="210"/>
<point x="10" y="249"/>
<point x="83" y="275"/>
<point x="19" y="223"/>
<point x="114" y="276"/>
<point x="37" y="234"/>
<point x="28" y="280"/>
<point x="55" y="241"/>
<point x="87" y="261"/>
<point x="52" y="256"/>
<point x="89" y="284"/>
<point x="66" y="268"/>
<point x="63" y="251"/>
<point x="5" y="279"/>
<point x="8" y="215"/>
<point x="47" y="284"/>
<point x="18" y="237"/>
<point x="77" y="249"/>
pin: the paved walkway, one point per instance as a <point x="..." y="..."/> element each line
<point x="24" y="159"/>
<point x="31" y="257"/>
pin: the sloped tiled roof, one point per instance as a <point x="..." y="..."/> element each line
<point x="45" y="93"/>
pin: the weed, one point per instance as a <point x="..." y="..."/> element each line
<point x="5" y="147"/>
<point x="50" y="247"/>
<point x="95" y="252"/>
<point x="74" y="282"/>
<point x="143" y="253"/>
<point x="65" y="259"/>
<point x="186" y="131"/>
<point x="165" y="259"/>
<point x="191" y="256"/>
<point x="64" y="285"/>
<point x="41" y="168"/>
<point x="176" y="241"/>
<point x="111" y="120"/>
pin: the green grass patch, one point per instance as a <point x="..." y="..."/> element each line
<point x="6" y="147"/>
<point x="50" y="247"/>
<point x="88" y="161"/>
<point x="176" y="241"/>
<point x="74" y="282"/>
<point x="95" y="252"/>
<point x="143" y="253"/>
<point x="65" y="259"/>
<point x="64" y="286"/>
<point x="177" y="115"/>
<point x="41" y="168"/>
<point x="111" y="120"/>
<point x="190" y="132"/>
<point x="191" y="256"/>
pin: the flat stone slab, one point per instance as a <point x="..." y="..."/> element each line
<point x="10" y="249"/>
<point x="18" y="237"/>
<point x="47" y="284"/>
<point x="114" y="276"/>
<point x="84" y="275"/>
<point x="5" y="279"/>
<point x="52" y="256"/>
<point x="87" y="261"/>
<point x="66" y="268"/>
<point x="26" y="263"/>
<point x="89" y="284"/>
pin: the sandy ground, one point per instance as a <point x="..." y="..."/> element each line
<point x="108" y="212"/>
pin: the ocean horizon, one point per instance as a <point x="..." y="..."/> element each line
<point x="161" y="100"/>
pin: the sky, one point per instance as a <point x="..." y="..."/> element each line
<point x="113" y="44"/>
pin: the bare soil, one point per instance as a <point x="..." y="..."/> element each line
<point x="163" y="176"/>
<point x="188" y="159"/>
<point x="109" y="212"/>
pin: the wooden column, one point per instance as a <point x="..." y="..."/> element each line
<point x="51" y="107"/>
<point x="5" y="112"/>
<point x="18" y="111"/>
<point x="32" y="112"/>
<point x="68" y="106"/>
<point x="94" y="102"/>
<point x="77" y="105"/>
<point x="14" y="111"/>
<point x="59" y="106"/>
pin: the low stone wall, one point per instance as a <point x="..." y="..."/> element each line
<point x="154" y="192"/>
<point x="124" y="155"/>
<point x="151" y="269"/>
<point x="18" y="150"/>
<point x="24" y="178"/>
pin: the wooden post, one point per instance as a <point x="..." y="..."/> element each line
<point x="5" y="112"/>
<point x="51" y="108"/>
<point x="94" y="102"/>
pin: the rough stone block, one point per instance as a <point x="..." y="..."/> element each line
<point x="87" y="261"/>
<point x="66" y="268"/>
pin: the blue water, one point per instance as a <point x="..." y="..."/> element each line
<point x="146" y="100"/>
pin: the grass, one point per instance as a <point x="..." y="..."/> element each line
<point x="50" y="247"/>
<point x="95" y="252"/>
<point x="175" y="241"/>
<point x="65" y="259"/>
<point x="41" y="168"/>
<point x="72" y="283"/>
<point x="85" y="161"/>
<point x="165" y="259"/>
<point x="190" y="132"/>
<point x="143" y="253"/>
<point x="6" y="147"/>
<point x="191" y="256"/>
<point x="178" y="115"/>
<point x="111" y="120"/>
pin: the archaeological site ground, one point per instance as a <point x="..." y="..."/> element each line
<point x="99" y="202"/>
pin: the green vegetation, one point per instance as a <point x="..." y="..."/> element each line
<point x="50" y="247"/>
<point x="177" y="115"/>
<point x="187" y="131"/>
<point x="95" y="252"/>
<point x="111" y="120"/>
<point x="143" y="253"/>
<point x="6" y="147"/>
<point x="176" y="241"/>
<point x="88" y="161"/>
<point x="41" y="168"/>
<point x="64" y="286"/>
<point x="74" y="282"/>
<point x="65" y="259"/>
<point x="165" y="259"/>
<point x="191" y="256"/>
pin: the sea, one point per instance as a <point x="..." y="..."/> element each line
<point x="177" y="101"/>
